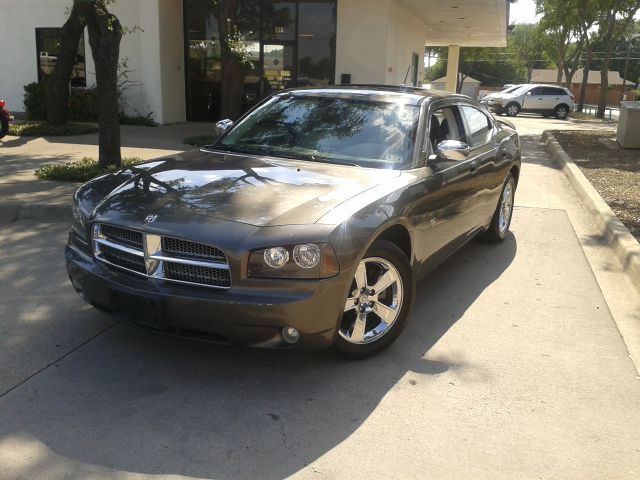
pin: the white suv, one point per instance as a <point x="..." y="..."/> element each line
<point x="543" y="99"/>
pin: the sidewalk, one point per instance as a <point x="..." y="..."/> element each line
<point x="23" y="196"/>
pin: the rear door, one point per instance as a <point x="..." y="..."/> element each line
<point x="554" y="96"/>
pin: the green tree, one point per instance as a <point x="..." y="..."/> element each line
<point x="615" y="18"/>
<point x="561" y="22"/>
<point x="105" y="35"/>
<point x="528" y="43"/>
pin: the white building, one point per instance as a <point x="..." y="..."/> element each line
<point x="174" y="62"/>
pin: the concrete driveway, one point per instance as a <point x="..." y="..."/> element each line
<point x="512" y="366"/>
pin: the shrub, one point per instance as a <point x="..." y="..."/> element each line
<point x="199" y="141"/>
<point x="35" y="101"/>
<point x="42" y="129"/>
<point x="81" y="171"/>
<point x="139" y="120"/>
<point x="83" y="105"/>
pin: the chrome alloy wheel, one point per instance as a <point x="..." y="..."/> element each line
<point x="561" y="112"/>
<point x="374" y="302"/>
<point x="512" y="110"/>
<point x="506" y="207"/>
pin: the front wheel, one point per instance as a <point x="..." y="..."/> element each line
<point x="512" y="109"/>
<point x="378" y="303"/>
<point x="501" y="221"/>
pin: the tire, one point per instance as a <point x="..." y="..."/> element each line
<point x="501" y="221"/>
<point x="512" y="109"/>
<point x="357" y="339"/>
<point x="561" y="112"/>
<point x="4" y="125"/>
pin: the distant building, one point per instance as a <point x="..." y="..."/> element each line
<point x="470" y="86"/>
<point x="593" y="84"/>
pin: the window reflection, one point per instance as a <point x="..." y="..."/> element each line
<point x="289" y="44"/>
<point x="48" y="45"/>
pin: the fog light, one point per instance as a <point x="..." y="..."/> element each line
<point x="290" y="335"/>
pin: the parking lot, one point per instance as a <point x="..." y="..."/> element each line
<point x="512" y="366"/>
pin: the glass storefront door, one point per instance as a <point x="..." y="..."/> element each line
<point x="278" y="67"/>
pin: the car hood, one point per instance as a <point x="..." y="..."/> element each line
<point x="261" y="191"/>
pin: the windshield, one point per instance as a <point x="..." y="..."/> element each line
<point x="329" y="129"/>
<point x="521" y="89"/>
<point x="511" y="89"/>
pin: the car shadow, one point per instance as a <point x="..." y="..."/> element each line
<point x="152" y="404"/>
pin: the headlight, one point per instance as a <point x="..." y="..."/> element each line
<point x="276" y="257"/>
<point x="79" y="224"/>
<point x="304" y="261"/>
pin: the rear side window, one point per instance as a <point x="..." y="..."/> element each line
<point x="478" y="124"/>
<point x="554" y="91"/>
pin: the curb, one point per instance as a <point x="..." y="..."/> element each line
<point x="13" y="211"/>
<point x="624" y="245"/>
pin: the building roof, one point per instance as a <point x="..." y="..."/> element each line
<point x="551" y="76"/>
<point x="467" y="80"/>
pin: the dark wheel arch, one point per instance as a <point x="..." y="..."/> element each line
<point x="399" y="236"/>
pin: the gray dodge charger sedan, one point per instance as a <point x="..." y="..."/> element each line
<point x="305" y="225"/>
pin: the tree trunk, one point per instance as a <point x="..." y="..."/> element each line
<point x="105" y="34"/>
<point x="604" y="84"/>
<point x="58" y="83"/>
<point x="232" y="88"/>
<point x="585" y="79"/>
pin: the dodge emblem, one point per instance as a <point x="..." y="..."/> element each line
<point x="150" y="218"/>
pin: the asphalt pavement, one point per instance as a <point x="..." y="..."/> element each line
<point x="518" y="362"/>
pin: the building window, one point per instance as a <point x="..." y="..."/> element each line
<point x="48" y="49"/>
<point x="290" y="43"/>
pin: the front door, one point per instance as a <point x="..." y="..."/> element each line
<point x="440" y="213"/>
<point x="534" y="100"/>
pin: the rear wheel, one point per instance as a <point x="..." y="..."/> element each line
<point x="561" y="112"/>
<point x="512" y="109"/>
<point x="378" y="304"/>
<point x="501" y="221"/>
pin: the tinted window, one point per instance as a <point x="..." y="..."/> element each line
<point x="316" y="43"/>
<point x="479" y="125"/>
<point x="554" y="91"/>
<point x="327" y="129"/>
<point x="537" y="91"/>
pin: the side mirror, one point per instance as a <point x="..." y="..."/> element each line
<point x="529" y="94"/>
<point x="453" y="150"/>
<point x="223" y="125"/>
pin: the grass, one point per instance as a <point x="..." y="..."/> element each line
<point x="200" y="141"/>
<point x="81" y="171"/>
<point x="42" y="129"/>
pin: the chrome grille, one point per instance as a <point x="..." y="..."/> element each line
<point x="183" y="248"/>
<point x="125" y="236"/>
<point x="124" y="259"/>
<point x="164" y="258"/>
<point x="213" y="277"/>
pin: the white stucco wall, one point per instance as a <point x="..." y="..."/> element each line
<point x="157" y="80"/>
<point x="375" y="41"/>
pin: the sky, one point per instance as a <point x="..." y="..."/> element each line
<point x="524" y="11"/>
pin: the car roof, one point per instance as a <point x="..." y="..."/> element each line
<point x="410" y="95"/>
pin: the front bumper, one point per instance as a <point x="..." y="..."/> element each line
<point x="244" y="315"/>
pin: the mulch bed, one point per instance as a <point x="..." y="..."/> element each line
<point x="613" y="171"/>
